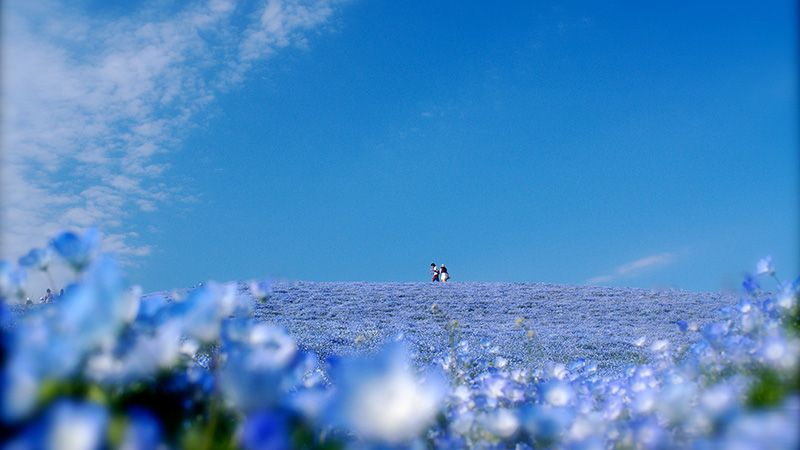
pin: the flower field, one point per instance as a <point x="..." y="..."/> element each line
<point x="566" y="322"/>
<point x="352" y="365"/>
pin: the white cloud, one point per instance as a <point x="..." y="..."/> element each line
<point x="633" y="268"/>
<point x="90" y="105"/>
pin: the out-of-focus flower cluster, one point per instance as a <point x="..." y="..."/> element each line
<point x="100" y="367"/>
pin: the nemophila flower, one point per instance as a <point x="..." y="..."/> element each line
<point x="576" y="366"/>
<point x="462" y="348"/>
<point x="516" y="394"/>
<point x="613" y="408"/>
<point x="150" y="307"/>
<point x="765" y="267"/>
<point x="260" y="289"/>
<point x="750" y="284"/>
<point x="715" y="332"/>
<point x="769" y="306"/>
<point x="648" y="433"/>
<point x="494" y="385"/>
<point x="556" y="393"/>
<point x="502" y="423"/>
<point x="75" y="426"/>
<point x="779" y="351"/>
<point x="744" y="306"/>
<point x="146" y="356"/>
<point x="276" y="349"/>
<point x="91" y="312"/>
<point x="310" y="403"/>
<point x="19" y="385"/>
<point x="764" y="430"/>
<point x="750" y="321"/>
<point x="546" y="425"/>
<point x="461" y="394"/>
<point x="519" y="375"/>
<point x="787" y="298"/>
<point x="266" y="430"/>
<point x="65" y="425"/>
<point x="142" y="431"/>
<point x="674" y="402"/>
<point x="718" y="403"/>
<point x="77" y="250"/>
<point x="259" y="368"/>
<point x="461" y="422"/>
<point x="586" y="431"/>
<point x="12" y="280"/>
<point x="204" y="308"/>
<point x="660" y="346"/>
<point x="644" y="401"/>
<point x="37" y="258"/>
<point x="682" y="325"/>
<point x="556" y="371"/>
<point x="382" y="399"/>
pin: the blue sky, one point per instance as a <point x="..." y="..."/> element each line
<point x="568" y="142"/>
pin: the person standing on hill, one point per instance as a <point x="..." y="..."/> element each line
<point x="434" y="272"/>
<point x="443" y="275"/>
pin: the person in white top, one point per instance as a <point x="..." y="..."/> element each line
<point x="443" y="275"/>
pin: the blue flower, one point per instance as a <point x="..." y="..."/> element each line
<point x="266" y="430"/>
<point x="93" y="310"/>
<point x="143" y="431"/>
<point x="546" y="425"/>
<point x="66" y="425"/>
<point x="750" y="284"/>
<point x="259" y="369"/>
<point x="77" y="250"/>
<point x="715" y="332"/>
<point x="37" y="258"/>
<point x="19" y="388"/>
<point x="12" y="280"/>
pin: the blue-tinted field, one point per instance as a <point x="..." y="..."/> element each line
<point x="570" y="322"/>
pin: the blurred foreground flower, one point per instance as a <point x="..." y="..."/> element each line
<point x="382" y="399"/>
<point x="765" y="267"/>
<point x="77" y="250"/>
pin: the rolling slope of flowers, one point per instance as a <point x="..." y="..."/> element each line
<point x="101" y="368"/>
<point x="526" y="324"/>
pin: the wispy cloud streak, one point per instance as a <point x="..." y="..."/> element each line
<point x="92" y="106"/>
<point x="636" y="267"/>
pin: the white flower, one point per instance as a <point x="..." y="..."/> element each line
<point x="271" y="346"/>
<point x="557" y="393"/>
<point x="76" y="427"/>
<point x="765" y="267"/>
<point x="383" y="400"/>
<point x="502" y="423"/>
<point x="393" y="408"/>
<point x="660" y="346"/>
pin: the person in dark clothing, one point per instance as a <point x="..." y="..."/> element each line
<point x="434" y="272"/>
